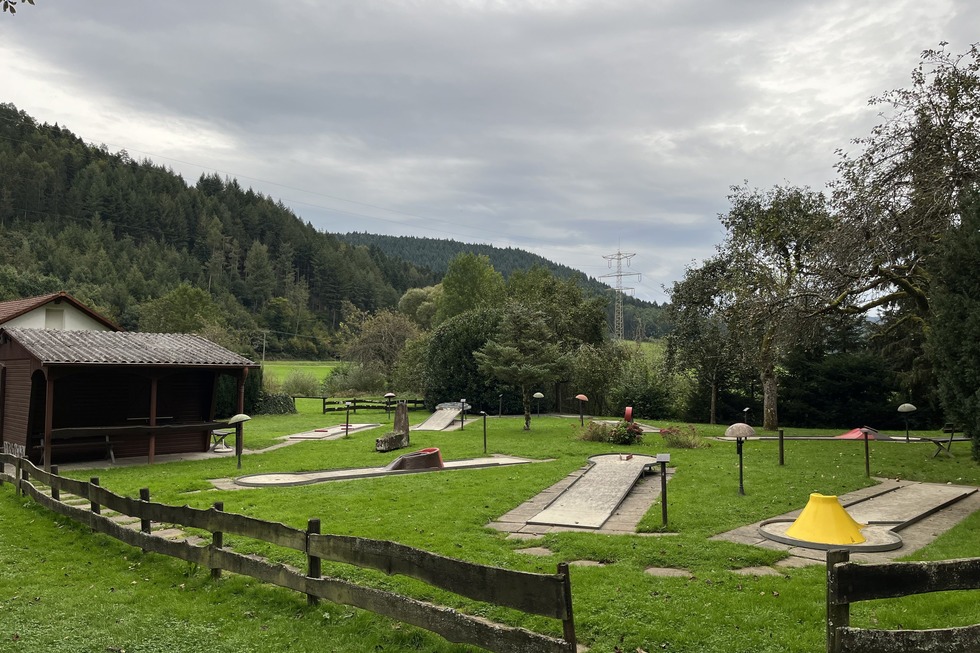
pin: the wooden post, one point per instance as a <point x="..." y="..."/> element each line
<point x="782" y="460"/>
<point x="313" y="562"/>
<point x="153" y="419"/>
<point x="55" y="489"/>
<point x="568" y="623"/>
<point x="838" y="611"/>
<point x="48" y="418"/>
<point x="663" y="492"/>
<point x="146" y="526"/>
<point x="217" y="541"/>
<point x="867" y="455"/>
<point x="22" y="476"/>
<point x="96" y="508"/>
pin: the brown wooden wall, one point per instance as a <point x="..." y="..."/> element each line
<point x="17" y="392"/>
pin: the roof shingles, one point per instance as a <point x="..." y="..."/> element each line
<point x="123" y="348"/>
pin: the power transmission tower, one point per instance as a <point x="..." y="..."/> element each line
<point x="619" y="257"/>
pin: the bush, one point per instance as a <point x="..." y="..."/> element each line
<point x="276" y="403"/>
<point x="596" y="432"/>
<point x="354" y="377"/>
<point x="301" y="384"/>
<point x="621" y="433"/>
<point x="686" y="438"/>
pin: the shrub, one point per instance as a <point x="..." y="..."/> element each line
<point x="686" y="438"/>
<point x="301" y="384"/>
<point x="354" y="377"/>
<point x="626" y="433"/>
<point x="596" y="432"/>
<point x="276" y="403"/>
<point x="621" y="433"/>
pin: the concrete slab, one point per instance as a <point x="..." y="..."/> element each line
<point x="592" y="499"/>
<point x="306" y="478"/>
<point x="916" y="513"/>
<point x="438" y="420"/>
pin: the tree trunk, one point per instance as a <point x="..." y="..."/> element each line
<point x="770" y="391"/>
<point x="526" y="398"/>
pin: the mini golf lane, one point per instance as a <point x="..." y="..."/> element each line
<point x="306" y="478"/>
<point x="593" y="498"/>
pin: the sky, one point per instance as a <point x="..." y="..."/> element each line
<point x="574" y="129"/>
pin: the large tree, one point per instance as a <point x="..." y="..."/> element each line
<point x="901" y="191"/>
<point x="470" y="282"/>
<point x="954" y="330"/>
<point x="523" y="353"/>
<point x="764" y="283"/>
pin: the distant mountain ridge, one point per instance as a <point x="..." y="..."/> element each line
<point x="435" y="254"/>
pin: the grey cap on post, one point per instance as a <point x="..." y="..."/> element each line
<point x="740" y="430"/>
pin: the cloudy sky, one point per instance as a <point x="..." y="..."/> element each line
<point x="570" y="128"/>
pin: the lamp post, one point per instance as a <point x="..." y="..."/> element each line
<point x="347" y="421"/>
<point x="745" y="414"/>
<point x="906" y="410"/>
<point x="500" y="405"/>
<point x="538" y="396"/>
<point x="740" y="432"/>
<point x="484" y="413"/>
<point x="388" y="397"/>
<point x="581" y="408"/>
<point x="238" y="420"/>
<point x="462" y="413"/>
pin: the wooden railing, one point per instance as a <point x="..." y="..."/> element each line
<point x="340" y="405"/>
<point x="848" y="582"/>
<point x="547" y="595"/>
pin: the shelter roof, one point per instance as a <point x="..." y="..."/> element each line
<point x="57" y="347"/>
<point x="17" y="307"/>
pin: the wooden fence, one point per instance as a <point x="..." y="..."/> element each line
<point x="848" y="582"/>
<point x="341" y="405"/>
<point x="547" y="595"/>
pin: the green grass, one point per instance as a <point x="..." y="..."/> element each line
<point x="277" y="370"/>
<point x="70" y="583"/>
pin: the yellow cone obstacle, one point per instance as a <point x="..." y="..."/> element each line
<point x="825" y="521"/>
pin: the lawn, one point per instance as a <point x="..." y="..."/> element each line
<point x="65" y="589"/>
<point x="277" y="370"/>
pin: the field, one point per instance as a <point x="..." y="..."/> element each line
<point x="277" y="370"/>
<point x="64" y="589"/>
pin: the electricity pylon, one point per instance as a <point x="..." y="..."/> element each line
<point x="619" y="257"/>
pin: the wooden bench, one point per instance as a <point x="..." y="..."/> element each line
<point x="76" y="441"/>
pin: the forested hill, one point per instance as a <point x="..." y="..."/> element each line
<point x="436" y="254"/>
<point x="646" y="318"/>
<point x="118" y="233"/>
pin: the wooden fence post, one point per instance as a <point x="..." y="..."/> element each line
<point x="568" y="623"/>
<point x="96" y="508"/>
<point x="146" y="526"/>
<point x="217" y="541"/>
<point x="782" y="460"/>
<point x="838" y="611"/>
<point x="19" y="476"/>
<point x="55" y="488"/>
<point x="313" y="567"/>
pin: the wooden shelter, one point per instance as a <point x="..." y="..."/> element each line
<point x="73" y="393"/>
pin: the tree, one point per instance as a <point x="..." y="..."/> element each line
<point x="902" y="192"/>
<point x="522" y="353"/>
<point x="470" y="282"/>
<point x="185" y="309"/>
<point x="11" y="5"/>
<point x="954" y="328"/>
<point x="260" y="277"/>
<point x="451" y="371"/>
<point x="380" y="341"/>
<point x="700" y="340"/>
<point x="765" y="281"/>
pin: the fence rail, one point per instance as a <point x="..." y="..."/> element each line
<point x="848" y="582"/>
<point x="547" y="595"/>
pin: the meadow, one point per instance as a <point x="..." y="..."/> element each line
<point x="65" y="589"/>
